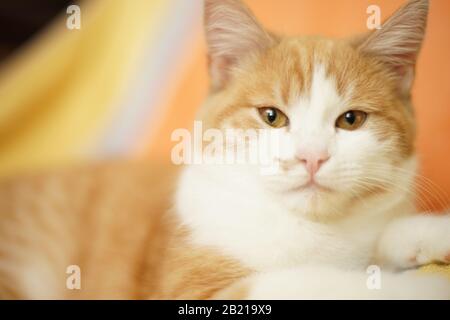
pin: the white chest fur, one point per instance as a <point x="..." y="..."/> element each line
<point x="245" y="222"/>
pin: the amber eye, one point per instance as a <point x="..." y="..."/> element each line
<point x="273" y="117"/>
<point x="351" y="120"/>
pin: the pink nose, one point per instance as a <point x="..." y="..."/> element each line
<point x="313" y="160"/>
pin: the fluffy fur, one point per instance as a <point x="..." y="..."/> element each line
<point x="227" y="231"/>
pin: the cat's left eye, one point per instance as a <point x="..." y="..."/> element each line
<point x="351" y="120"/>
<point x="273" y="117"/>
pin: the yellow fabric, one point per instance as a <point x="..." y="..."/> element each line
<point x="57" y="92"/>
<point x="438" y="269"/>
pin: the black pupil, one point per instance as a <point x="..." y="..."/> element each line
<point x="350" y="118"/>
<point x="271" y="115"/>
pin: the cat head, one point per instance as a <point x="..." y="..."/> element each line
<point x="343" y="104"/>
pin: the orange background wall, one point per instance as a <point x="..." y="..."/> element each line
<point x="339" y="18"/>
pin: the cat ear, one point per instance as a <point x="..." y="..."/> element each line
<point x="399" y="40"/>
<point x="232" y="31"/>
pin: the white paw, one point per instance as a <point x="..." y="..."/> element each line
<point x="416" y="241"/>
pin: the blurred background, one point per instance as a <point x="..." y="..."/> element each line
<point x="136" y="70"/>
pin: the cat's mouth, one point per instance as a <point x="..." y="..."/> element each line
<point x="311" y="185"/>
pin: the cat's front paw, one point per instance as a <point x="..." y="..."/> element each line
<point x="416" y="241"/>
<point x="424" y="255"/>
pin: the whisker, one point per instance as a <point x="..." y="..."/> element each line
<point x="434" y="192"/>
<point x="421" y="190"/>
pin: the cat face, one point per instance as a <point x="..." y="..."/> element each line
<point x="341" y="107"/>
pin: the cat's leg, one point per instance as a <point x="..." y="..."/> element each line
<point x="415" y="240"/>
<point x="314" y="282"/>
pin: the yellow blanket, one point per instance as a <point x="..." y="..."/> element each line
<point x="438" y="269"/>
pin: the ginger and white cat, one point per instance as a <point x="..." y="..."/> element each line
<point x="343" y="199"/>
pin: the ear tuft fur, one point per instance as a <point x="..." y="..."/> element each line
<point x="399" y="40"/>
<point x="232" y="31"/>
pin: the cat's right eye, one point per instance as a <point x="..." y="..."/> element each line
<point x="351" y="120"/>
<point x="273" y="117"/>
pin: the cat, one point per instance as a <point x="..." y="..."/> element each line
<point x="342" y="199"/>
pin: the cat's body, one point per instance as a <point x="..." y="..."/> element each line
<point x="342" y="201"/>
<point x="115" y="223"/>
<point x="102" y="219"/>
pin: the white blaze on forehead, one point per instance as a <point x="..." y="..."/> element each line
<point x="313" y="114"/>
<point x="323" y="94"/>
<point x="315" y="109"/>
